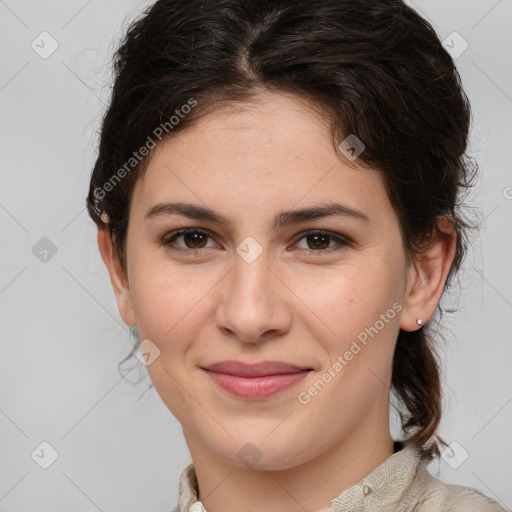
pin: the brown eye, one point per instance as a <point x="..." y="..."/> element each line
<point x="323" y="242"/>
<point x="318" y="241"/>
<point x="193" y="239"/>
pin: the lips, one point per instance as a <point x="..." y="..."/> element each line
<point x="259" y="369"/>
<point x="255" y="381"/>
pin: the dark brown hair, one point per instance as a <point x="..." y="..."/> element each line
<point x="375" y="69"/>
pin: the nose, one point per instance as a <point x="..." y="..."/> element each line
<point x="253" y="305"/>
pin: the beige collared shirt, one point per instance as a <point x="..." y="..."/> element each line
<point x="400" y="484"/>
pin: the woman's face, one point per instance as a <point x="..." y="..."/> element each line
<point x="257" y="287"/>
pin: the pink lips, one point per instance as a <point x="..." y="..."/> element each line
<point x="254" y="381"/>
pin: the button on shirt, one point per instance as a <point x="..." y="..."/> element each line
<point x="401" y="483"/>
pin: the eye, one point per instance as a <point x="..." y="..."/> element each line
<point x="195" y="240"/>
<point x="319" y="241"/>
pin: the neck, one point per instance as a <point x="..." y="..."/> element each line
<point x="226" y="487"/>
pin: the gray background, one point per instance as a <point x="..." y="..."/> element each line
<point x="62" y="337"/>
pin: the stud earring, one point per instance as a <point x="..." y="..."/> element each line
<point x="418" y="321"/>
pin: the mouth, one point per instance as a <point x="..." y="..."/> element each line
<point x="255" y="381"/>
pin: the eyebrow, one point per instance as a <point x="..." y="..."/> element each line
<point x="282" y="219"/>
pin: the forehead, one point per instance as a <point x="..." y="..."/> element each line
<point x="269" y="124"/>
<point x="272" y="152"/>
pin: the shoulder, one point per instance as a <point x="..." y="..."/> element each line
<point x="430" y="494"/>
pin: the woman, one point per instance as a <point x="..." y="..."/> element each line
<point x="277" y="194"/>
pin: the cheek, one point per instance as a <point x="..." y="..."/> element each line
<point x="169" y="303"/>
<point x="355" y="318"/>
<point x="360" y="309"/>
<point x="171" y="308"/>
<point x="348" y="298"/>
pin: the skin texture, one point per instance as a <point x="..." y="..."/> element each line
<point x="295" y="302"/>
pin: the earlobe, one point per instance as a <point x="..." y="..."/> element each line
<point x="118" y="277"/>
<point x="427" y="277"/>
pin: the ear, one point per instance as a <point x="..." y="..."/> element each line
<point x="427" y="276"/>
<point x="118" y="277"/>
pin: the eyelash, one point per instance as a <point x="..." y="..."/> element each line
<point x="342" y="242"/>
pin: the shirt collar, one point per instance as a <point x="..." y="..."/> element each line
<point x="382" y="488"/>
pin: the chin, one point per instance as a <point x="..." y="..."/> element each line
<point x="265" y="454"/>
